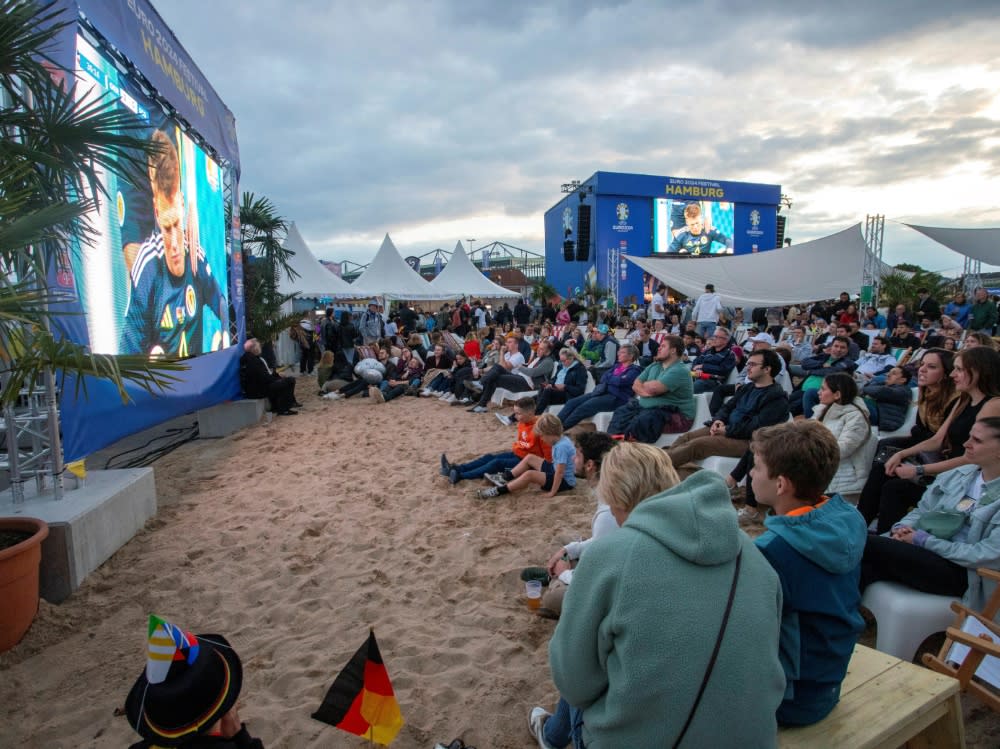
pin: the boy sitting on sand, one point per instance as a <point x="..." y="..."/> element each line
<point x="526" y="443"/>
<point x="553" y="475"/>
<point x="815" y="544"/>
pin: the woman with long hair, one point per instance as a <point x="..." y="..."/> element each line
<point x="845" y="414"/>
<point x="936" y="391"/>
<point x="954" y="530"/>
<point x="976" y="373"/>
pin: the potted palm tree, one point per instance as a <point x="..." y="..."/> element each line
<point x="51" y="151"/>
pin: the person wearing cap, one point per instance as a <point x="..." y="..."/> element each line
<point x="706" y="310"/>
<point x="186" y="696"/>
<point x="606" y="347"/>
<point x="371" y="325"/>
<point x="712" y="367"/>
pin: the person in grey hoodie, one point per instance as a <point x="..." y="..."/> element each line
<point x="641" y="620"/>
<point x="706" y="310"/>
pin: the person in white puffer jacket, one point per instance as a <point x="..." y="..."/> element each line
<point x="846" y="416"/>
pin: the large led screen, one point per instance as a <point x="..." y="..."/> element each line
<point x="154" y="279"/>
<point x="685" y="227"/>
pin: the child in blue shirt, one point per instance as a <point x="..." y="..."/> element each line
<point x="815" y="544"/>
<point x="557" y="475"/>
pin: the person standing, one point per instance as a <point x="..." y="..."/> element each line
<point x="371" y="326"/>
<point x="706" y="310"/>
<point x="658" y="305"/>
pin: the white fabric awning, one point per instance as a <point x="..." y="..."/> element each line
<point x="460" y="277"/>
<point x="979" y="244"/>
<point x="819" y="269"/>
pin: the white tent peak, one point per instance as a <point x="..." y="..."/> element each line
<point x="388" y="275"/>
<point x="460" y="277"/>
<point x="314" y="279"/>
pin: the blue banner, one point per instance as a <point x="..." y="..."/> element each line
<point x="138" y="32"/>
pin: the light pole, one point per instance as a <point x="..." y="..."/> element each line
<point x="470" y="241"/>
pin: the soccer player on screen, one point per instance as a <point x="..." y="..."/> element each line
<point x="168" y="292"/>
<point x="693" y="239"/>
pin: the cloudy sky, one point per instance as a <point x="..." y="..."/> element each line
<point x="443" y="120"/>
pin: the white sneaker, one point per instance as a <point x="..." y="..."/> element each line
<point x="375" y="393"/>
<point x="426" y="393"/>
<point x="505" y="420"/>
<point x="536" y="724"/>
<point x="448" y="398"/>
<point x="333" y="396"/>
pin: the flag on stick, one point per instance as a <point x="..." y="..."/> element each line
<point x="361" y="700"/>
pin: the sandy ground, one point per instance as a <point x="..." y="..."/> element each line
<point x="292" y="539"/>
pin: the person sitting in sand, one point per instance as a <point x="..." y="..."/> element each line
<point x="258" y="380"/>
<point x="445" y="384"/>
<point x="186" y="696"/>
<point x="409" y="372"/>
<point x="558" y="573"/>
<point x="553" y="475"/>
<point x="526" y="443"/>
<point x="383" y="364"/>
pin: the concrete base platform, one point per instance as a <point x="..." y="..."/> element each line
<point x="88" y="525"/>
<point x="229" y="417"/>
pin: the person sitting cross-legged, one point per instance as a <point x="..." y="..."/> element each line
<point x="815" y="544"/>
<point x="526" y="443"/>
<point x="760" y="403"/>
<point x="553" y="475"/>
<point x="664" y="400"/>
<point x="614" y="389"/>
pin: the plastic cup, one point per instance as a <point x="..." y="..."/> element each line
<point x="533" y="592"/>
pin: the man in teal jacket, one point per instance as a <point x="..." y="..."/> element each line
<point x="641" y="619"/>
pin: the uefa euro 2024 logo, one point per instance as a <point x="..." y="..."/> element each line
<point x="755" y="218"/>
<point x="622" y="210"/>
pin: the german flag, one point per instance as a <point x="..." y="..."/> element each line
<point x="361" y="700"/>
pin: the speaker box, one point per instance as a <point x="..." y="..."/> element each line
<point x="568" y="251"/>
<point x="781" y="230"/>
<point x="583" y="233"/>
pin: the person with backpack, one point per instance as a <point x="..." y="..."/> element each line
<point x="329" y="333"/>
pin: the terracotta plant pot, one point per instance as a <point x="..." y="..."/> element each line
<point x="19" y="579"/>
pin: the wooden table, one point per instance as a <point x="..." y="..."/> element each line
<point x="885" y="702"/>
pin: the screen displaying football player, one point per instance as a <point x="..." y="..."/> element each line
<point x="695" y="239"/>
<point x="171" y="281"/>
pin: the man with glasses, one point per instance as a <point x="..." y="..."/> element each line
<point x="762" y="402"/>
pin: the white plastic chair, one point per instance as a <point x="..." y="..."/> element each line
<point x="905" y="617"/>
<point x="502" y="394"/>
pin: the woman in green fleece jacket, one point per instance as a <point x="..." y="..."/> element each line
<point x="641" y="620"/>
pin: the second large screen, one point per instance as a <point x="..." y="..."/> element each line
<point x="154" y="280"/>
<point x="692" y="227"/>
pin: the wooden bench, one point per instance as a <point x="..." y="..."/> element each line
<point x="885" y="702"/>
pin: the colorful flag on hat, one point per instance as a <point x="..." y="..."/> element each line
<point x="167" y="643"/>
<point x="361" y="700"/>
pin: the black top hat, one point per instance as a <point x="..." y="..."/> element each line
<point x="191" y="699"/>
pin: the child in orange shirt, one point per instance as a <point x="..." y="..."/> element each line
<point x="526" y="443"/>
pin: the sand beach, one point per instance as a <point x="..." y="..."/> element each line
<point x="292" y="538"/>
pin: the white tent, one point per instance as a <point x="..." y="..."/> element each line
<point x="388" y="275"/>
<point x="979" y="244"/>
<point x="820" y="269"/>
<point x="314" y="280"/>
<point x="461" y="278"/>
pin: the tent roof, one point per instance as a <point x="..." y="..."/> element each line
<point x="461" y="278"/>
<point x="314" y="279"/>
<point x="979" y="244"/>
<point x="819" y="269"/>
<point x="388" y="275"/>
